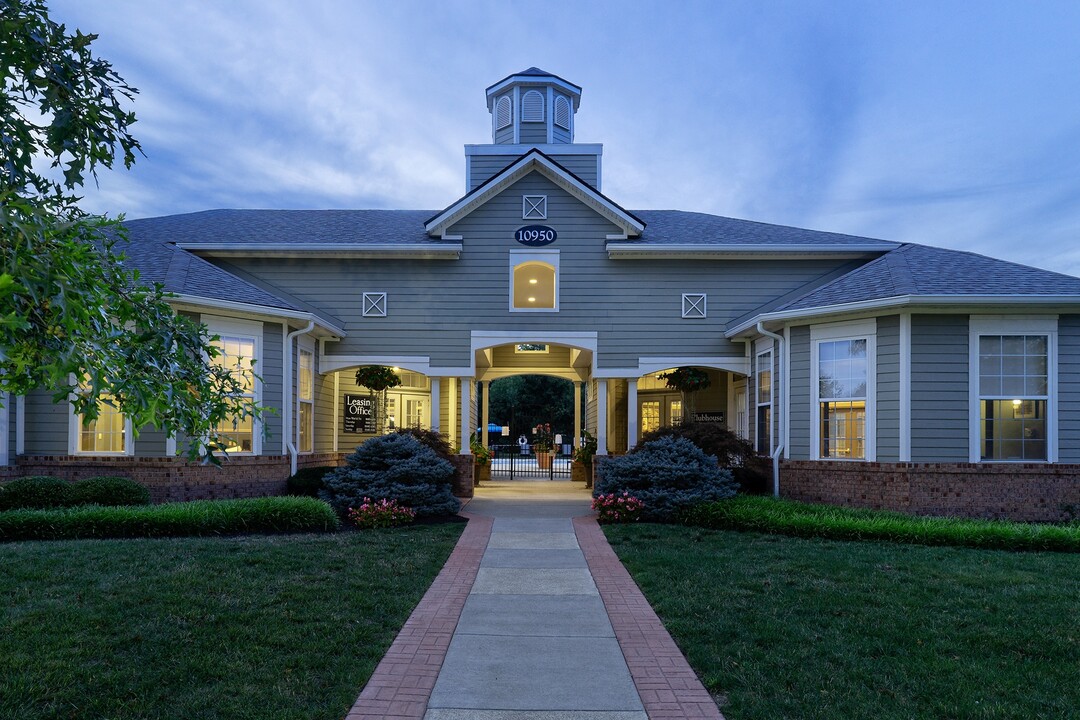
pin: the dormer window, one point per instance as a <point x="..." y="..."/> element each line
<point x="532" y="107"/>
<point x="562" y="112"/>
<point x="503" y="112"/>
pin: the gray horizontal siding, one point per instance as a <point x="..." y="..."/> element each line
<point x="888" y="389"/>
<point x="559" y="135"/>
<point x="799" y="420"/>
<point x="271" y="370"/>
<point x="483" y="167"/>
<point x="1069" y="388"/>
<point x="597" y="294"/>
<point x="150" y="443"/>
<point x="533" y="133"/>
<point x="47" y="424"/>
<point x="939" y="388"/>
<point x="505" y="136"/>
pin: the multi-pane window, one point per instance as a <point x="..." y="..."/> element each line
<point x="414" y="413"/>
<point x="1014" y="392"/>
<point x="106" y="434"/>
<point x="650" y="415"/>
<point x="764" y="375"/>
<point x="842" y="395"/>
<point x="238" y="355"/>
<point x="305" y="395"/>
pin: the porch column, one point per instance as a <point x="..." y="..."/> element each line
<point x="577" y="415"/>
<point x="631" y="414"/>
<point x="466" y="415"/>
<point x="451" y="410"/>
<point x="485" y="419"/>
<point x="601" y="417"/>
<point x="435" y="404"/>
<point x="5" y="414"/>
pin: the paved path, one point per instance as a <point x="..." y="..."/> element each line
<point x="533" y="617"/>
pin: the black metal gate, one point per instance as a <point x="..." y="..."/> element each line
<point x="510" y="462"/>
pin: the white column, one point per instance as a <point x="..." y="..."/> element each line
<point x="631" y="414"/>
<point x="451" y="410"/>
<point x="577" y="414"/>
<point x="466" y="415"/>
<point x="337" y="406"/>
<point x="5" y="414"/>
<point x="435" y="427"/>
<point x="601" y="417"/>
<point x="485" y="418"/>
<point x="20" y="425"/>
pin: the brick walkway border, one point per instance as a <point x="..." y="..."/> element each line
<point x="668" y="687"/>
<point x="402" y="683"/>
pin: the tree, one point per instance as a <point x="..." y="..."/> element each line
<point x="524" y="401"/>
<point x="73" y="318"/>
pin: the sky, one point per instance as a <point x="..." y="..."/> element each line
<point x="955" y="124"/>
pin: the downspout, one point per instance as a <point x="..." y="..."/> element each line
<point x="287" y="411"/>
<point x="779" y="355"/>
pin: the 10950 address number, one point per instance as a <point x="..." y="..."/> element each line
<point x="535" y="235"/>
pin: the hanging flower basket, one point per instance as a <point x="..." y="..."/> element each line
<point x="377" y="378"/>
<point x="686" y="379"/>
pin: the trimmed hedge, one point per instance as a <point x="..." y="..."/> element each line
<point x="43" y="492"/>
<point x="202" y="517"/>
<point x="307" y="482"/>
<point x="787" y="517"/>
<point x="109" y="491"/>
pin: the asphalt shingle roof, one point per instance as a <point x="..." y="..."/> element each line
<point x="677" y="226"/>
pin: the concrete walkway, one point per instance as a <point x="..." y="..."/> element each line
<point x="533" y="617"/>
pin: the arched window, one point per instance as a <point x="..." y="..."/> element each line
<point x="503" y="112"/>
<point x="562" y="112"/>
<point x="534" y="278"/>
<point x="532" y="107"/>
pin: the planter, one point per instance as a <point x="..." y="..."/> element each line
<point x="543" y="460"/>
<point x="578" y="472"/>
<point x="481" y="473"/>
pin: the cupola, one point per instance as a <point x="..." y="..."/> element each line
<point x="533" y="107"/>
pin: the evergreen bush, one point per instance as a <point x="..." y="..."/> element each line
<point x="307" y="482"/>
<point x="733" y="453"/>
<point x="37" y="492"/>
<point x="109" y="491"/>
<point x="670" y="475"/>
<point x="393" y="467"/>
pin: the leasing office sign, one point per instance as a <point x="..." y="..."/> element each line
<point x="536" y="235"/>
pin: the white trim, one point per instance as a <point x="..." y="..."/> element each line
<point x="285" y="382"/>
<point x="5" y="431"/>
<point x="550" y="117"/>
<point x="337" y="403"/>
<point x="951" y="302"/>
<point x="545" y="257"/>
<point x="414" y="363"/>
<point x="691" y="305"/>
<point x="20" y="425"/>
<point x="831" y="332"/>
<point x="534" y="203"/>
<point x="435" y="401"/>
<point x="546" y="148"/>
<point x="432" y="251"/>
<point x="569" y="112"/>
<point x="509" y="116"/>
<point x="785" y="390"/>
<point x="373" y="304"/>
<point x="537" y="80"/>
<point x="170" y="446"/>
<point x="305" y="344"/>
<point x="1013" y="325"/>
<point x="601" y="417"/>
<point x="763" y="346"/>
<point x="466" y="415"/>
<point x="632" y="420"/>
<point x="635" y="250"/>
<point x="534" y="160"/>
<point x="218" y="325"/>
<point x="905" y="387"/>
<point x="262" y="312"/>
<point x="517" y="117"/>
<point x="75" y="426"/>
<point x="731" y="363"/>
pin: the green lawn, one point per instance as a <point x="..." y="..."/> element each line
<point x="781" y="627"/>
<point x="286" y="626"/>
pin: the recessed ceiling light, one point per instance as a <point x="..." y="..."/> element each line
<point x="532" y="299"/>
<point x="532" y="281"/>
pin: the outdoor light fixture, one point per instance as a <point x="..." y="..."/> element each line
<point x="532" y="299"/>
<point x="533" y="281"/>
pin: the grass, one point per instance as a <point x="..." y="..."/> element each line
<point x="259" y="627"/>
<point x="764" y="514"/>
<point x="200" y="517"/>
<point x="782" y="627"/>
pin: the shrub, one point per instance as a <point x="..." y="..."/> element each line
<point x="669" y="475"/>
<point x="393" y="467"/>
<point x="382" y="514"/>
<point x="36" y="492"/>
<point x="618" y="508"/>
<point x="733" y="453"/>
<point x="307" y="482"/>
<point x="109" y="491"/>
<point x="202" y="517"/>
<point x="787" y="517"/>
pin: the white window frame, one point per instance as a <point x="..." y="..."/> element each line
<point x="374" y="304"/>
<point x="765" y="346"/>
<point x="534" y="207"/>
<point x="543" y="110"/>
<point x="565" y="102"/>
<point x="305" y="345"/>
<point x="74" y="435"/>
<point x="980" y="325"/>
<point x="250" y="329"/>
<point x="695" y="306"/>
<point x="502" y="102"/>
<point x="549" y="257"/>
<point x="519" y="350"/>
<point x="832" y="332"/>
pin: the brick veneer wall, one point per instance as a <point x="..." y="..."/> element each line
<point x="173" y="479"/>
<point x="463" y="479"/>
<point x="1021" y="491"/>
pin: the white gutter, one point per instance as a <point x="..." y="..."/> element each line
<point x="777" y="404"/>
<point x="287" y="383"/>
<point x="263" y="311"/>
<point x="350" y="250"/>
<point x="629" y="250"/>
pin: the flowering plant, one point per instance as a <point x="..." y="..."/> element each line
<point x="384" y="513"/>
<point x="614" y="508"/>
<point x="542" y="443"/>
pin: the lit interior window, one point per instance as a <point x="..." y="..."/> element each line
<point x="534" y="285"/>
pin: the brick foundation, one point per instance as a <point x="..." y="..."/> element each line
<point x="463" y="478"/>
<point x="1022" y="491"/>
<point x="174" y="479"/>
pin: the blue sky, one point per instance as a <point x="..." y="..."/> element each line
<point x="944" y="123"/>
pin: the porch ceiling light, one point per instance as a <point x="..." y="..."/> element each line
<point x="533" y="281"/>
<point x="532" y="299"/>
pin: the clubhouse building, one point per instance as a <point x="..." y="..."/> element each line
<point x="874" y="373"/>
